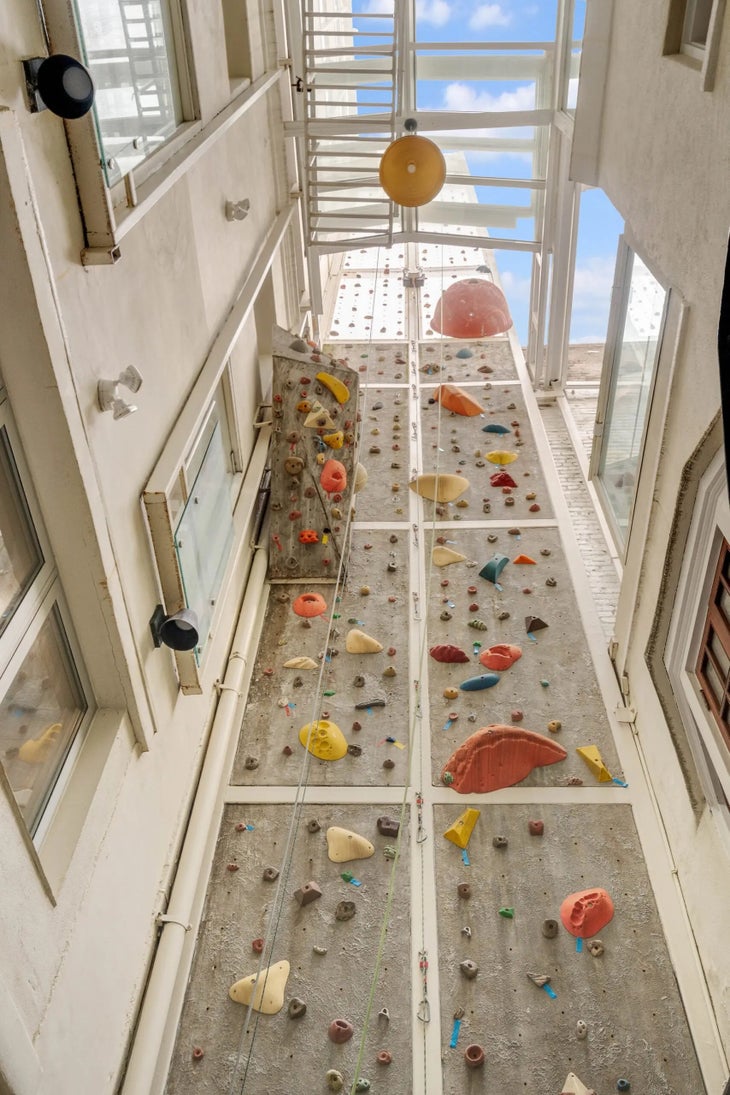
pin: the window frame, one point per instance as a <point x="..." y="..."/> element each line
<point x="41" y="598"/>
<point x="709" y="526"/>
<point x="676" y="44"/>
<point x="614" y="340"/>
<point x="164" y="500"/>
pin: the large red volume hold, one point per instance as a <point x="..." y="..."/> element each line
<point x="498" y="756"/>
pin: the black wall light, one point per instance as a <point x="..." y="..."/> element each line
<point x="179" y="631"/>
<point x="59" y="83"/>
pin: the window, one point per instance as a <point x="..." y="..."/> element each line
<point x="713" y="662"/>
<point x="697" y="655"/>
<point x="695" y="28"/>
<point x="190" y="507"/>
<point x="693" y="34"/>
<point x="129" y="49"/>
<point x="632" y="350"/>
<point x="44" y="708"/>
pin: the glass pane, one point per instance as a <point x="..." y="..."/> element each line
<point x="128" y="49"/>
<point x="204" y="535"/>
<point x="719" y="654"/>
<point x="39" y="717"/>
<point x="632" y="376"/>
<point x="20" y="552"/>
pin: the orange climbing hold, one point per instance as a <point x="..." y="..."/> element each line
<point x="333" y="476"/>
<point x="457" y="400"/>
<point x="308" y="536"/>
<point x="500" y="657"/>
<point x="524" y="559"/>
<point x="586" y="912"/>
<point x="309" y="605"/>
<point x="498" y="756"/>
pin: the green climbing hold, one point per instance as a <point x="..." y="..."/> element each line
<point x="545" y="684"/>
<point x="447" y="778"/>
<point x="362" y="1085"/>
<point x="329" y="692"/>
<point x="347" y="876"/>
<point x="507" y="913"/>
<point x="389" y="851"/>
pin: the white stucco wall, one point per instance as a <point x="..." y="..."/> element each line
<point x="74" y="965"/>
<point x="664" y="161"/>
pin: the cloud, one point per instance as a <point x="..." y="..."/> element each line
<point x="489" y="15"/>
<point x="379" y="7"/>
<point x="592" y="285"/>
<point x="437" y="12"/>
<point x="463" y="97"/>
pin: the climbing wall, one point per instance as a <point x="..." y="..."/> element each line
<point x="499" y="931"/>
<point x="314" y="409"/>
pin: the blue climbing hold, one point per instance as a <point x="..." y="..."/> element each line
<point x="464" y="353"/>
<point x="475" y="684"/>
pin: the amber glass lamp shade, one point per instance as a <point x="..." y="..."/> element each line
<point x="412" y="170"/>
<point x="472" y="309"/>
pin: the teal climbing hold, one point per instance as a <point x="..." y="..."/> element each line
<point x="495" y="427"/>
<point x="464" y="353"/>
<point x="492" y="570"/>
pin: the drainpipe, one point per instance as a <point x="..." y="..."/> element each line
<point x="153" y="1019"/>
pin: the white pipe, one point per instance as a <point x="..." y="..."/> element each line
<point x="153" y="1019"/>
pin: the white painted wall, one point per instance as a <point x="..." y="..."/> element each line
<point x="664" y="161"/>
<point x="74" y="965"/>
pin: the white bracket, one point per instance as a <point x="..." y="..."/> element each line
<point x="625" y="714"/>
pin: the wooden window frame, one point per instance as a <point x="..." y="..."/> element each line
<point x="716" y="623"/>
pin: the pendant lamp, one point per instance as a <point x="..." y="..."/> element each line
<point x="472" y="309"/>
<point x="412" y="169"/>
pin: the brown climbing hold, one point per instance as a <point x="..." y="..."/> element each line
<point x="340" y="1031"/>
<point x="464" y="889"/>
<point x="257" y="945"/>
<point x="385" y="1057"/>
<point x="388" y="763"/>
<point x="198" y="1053"/>
<point x="388" y="826"/>
<point x="307" y="893"/>
<point x="550" y="928"/>
<point x="499" y="841"/>
<point x="345" y="910"/>
<point x="232" y="867"/>
<point x="517" y="715"/>
<point x="537" y="828"/>
<point x="499" y="756"/>
<point x="469" y="969"/>
<point x="596" y="948"/>
<point x="474" y="1056"/>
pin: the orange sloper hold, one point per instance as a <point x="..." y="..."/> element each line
<point x="457" y="400"/>
<point x="498" y="756"/>
<point x="524" y="559"/>
<point x="500" y="657"/>
<point x="586" y="912"/>
<point x="333" y="476"/>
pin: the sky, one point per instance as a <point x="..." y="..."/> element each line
<point x="600" y="225"/>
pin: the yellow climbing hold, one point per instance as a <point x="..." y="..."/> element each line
<point x="319" y="419"/>
<point x="326" y="741"/>
<point x="37" y="750"/>
<point x="333" y="383"/>
<point x="460" y="831"/>
<point x="300" y="662"/>
<point x="264" y="991"/>
<point x="344" y="845"/>
<point x="444" y="556"/>
<point x="594" y="760"/>
<point x="334" y="440"/>
<point x="499" y="456"/>
<point x="439" y="488"/>
<point x="357" y="642"/>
